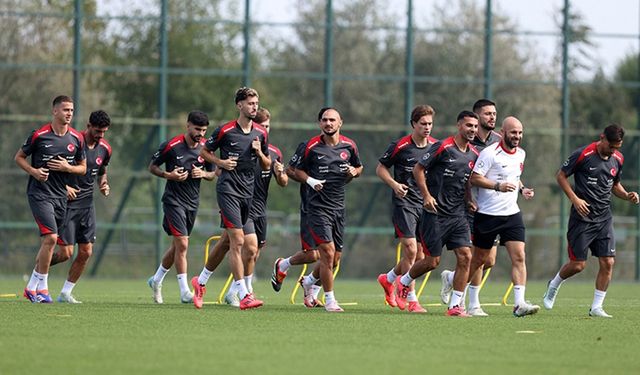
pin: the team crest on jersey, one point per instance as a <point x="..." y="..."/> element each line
<point x="613" y="172"/>
<point x="471" y="163"/>
<point x="71" y="147"/>
<point x="99" y="160"/>
<point x="344" y="155"/>
<point x="200" y="159"/>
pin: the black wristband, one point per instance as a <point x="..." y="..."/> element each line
<point x="496" y="187"/>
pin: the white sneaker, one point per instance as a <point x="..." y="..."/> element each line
<point x="232" y="299"/>
<point x="333" y="307"/>
<point x="186" y="297"/>
<point x="67" y="298"/>
<point x="446" y="288"/>
<point x="157" y="290"/>
<point x="525" y="309"/>
<point x="549" y="297"/>
<point x="476" y="311"/>
<point x="599" y="312"/>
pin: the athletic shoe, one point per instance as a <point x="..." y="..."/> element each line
<point x="525" y="309"/>
<point x="157" y="290"/>
<point x="457" y="311"/>
<point x="402" y="292"/>
<point x="599" y="312"/>
<point x="549" y="297"/>
<point x="389" y="296"/>
<point x="232" y="299"/>
<point x="67" y="298"/>
<point x="250" y="302"/>
<point x="446" y="287"/>
<point x="277" y="277"/>
<point x="42" y="296"/>
<point x="333" y="307"/>
<point x="186" y="297"/>
<point x="308" y="293"/>
<point x="198" y="292"/>
<point x="415" y="307"/>
<point x="30" y="295"/>
<point x="476" y="311"/>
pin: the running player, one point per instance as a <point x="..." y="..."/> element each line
<point x="406" y="200"/>
<point x="442" y="175"/>
<point x="80" y="222"/>
<point x="596" y="172"/>
<point x="497" y="173"/>
<point x="184" y="168"/>
<point x="57" y="152"/>
<point x="329" y="162"/>
<point x="242" y="145"/>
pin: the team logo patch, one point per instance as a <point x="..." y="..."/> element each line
<point x="71" y="147"/>
<point x="99" y="160"/>
<point x="613" y="172"/>
<point x="344" y="155"/>
<point x="200" y="159"/>
<point x="471" y="163"/>
<point x="481" y="164"/>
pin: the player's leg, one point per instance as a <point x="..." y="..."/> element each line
<point x="326" y="264"/>
<point x="516" y="252"/>
<point x="603" y="248"/>
<point x="180" y="248"/>
<point x="249" y="256"/>
<point x="77" y="268"/>
<point x="463" y="260"/>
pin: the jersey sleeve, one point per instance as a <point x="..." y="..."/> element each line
<point x="431" y="156"/>
<point x="354" y="160"/>
<point x="28" y="146"/>
<point x="569" y="166"/>
<point x="213" y="143"/>
<point x="264" y="145"/>
<point x="295" y="158"/>
<point x="388" y="158"/>
<point x="484" y="162"/>
<point x="160" y="157"/>
<point x="81" y="153"/>
<point x="105" y="164"/>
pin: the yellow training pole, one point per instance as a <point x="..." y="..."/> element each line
<point x="398" y="252"/>
<point x="484" y="278"/>
<point x="224" y="288"/>
<point x="424" y="283"/>
<point x="506" y="295"/>
<point x="292" y="299"/>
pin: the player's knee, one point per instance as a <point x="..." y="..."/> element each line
<point x="578" y="266"/>
<point x="49" y="241"/>
<point x="85" y="252"/>
<point x="607" y="263"/>
<point x="489" y="262"/>
<point x="433" y="262"/>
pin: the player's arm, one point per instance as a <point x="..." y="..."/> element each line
<point x="485" y="183"/>
<point x="421" y="180"/>
<point x="315" y="184"/>
<point x="526" y="192"/>
<point x="210" y="157"/>
<point x="291" y="173"/>
<point x="40" y="174"/>
<point x="580" y="205"/>
<point x="400" y="190"/>
<point x="103" y="182"/>
<point x="263" y="157"/>
<point x="279" y="171"/>
<point x="622" y="193"/>
<point x="178" y="174"/>
<point x="60" y="164"/>
<point x="468" y="197"/>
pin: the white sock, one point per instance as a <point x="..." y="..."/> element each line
<point x="329" y="297"/>
<point x="248" y="282"/>
<point x="411" y="297"/>
<point x="456" y="298"/>
<point x="450" y="277"/>
<point x="67" y="287"/>
<point x="406" y="280"/>
<point x="241" y="287"/>
<point x="284" y="265"/>
<point x="182" y="283"/>
<point x="315" y="290"/>
<point x="474" y="296"/>
<point x="204" y="276"/>
<point x="391" y="276"/>
<point x="598" y="298"/>
<point x="518" y="294"/>
<point x="556" y="282"/>
<point x="34" y="280"/>
<point x="309" y="280"/>
<point x="43" y="282"/>
<point x="159" y="275"/>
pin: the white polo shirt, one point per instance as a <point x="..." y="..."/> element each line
<point x="499" y="165"/>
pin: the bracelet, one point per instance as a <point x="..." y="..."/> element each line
<point x="496" y="187"/>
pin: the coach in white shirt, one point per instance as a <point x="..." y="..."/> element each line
<point x="497" y="175"/>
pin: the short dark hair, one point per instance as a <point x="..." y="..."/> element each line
<point x="99" y="119"/>
<point x="262" y="115"/>
<point x="61" y="99"/>
<point x="422" y="110"/>
<point x="244" y="92"/>
<point x="614" y="133"/>
<point x="198" y="118"/>
<point x="466" y="113"/>
<point x="482" y="103"/>
<point x="323" y="110"/>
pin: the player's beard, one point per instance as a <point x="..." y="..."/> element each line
<point x="329" y="134"/>
<point x="510" y="144"/>
<point x="486" y="126"/>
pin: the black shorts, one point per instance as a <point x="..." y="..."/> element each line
<point x="234" y="211"/>
<point x="488" y="227"/>
<point x="306" y="239"/>
<point x="178" y="221"/>
<point x="599" y="237"/>
<point x="435" y="231"/>
<point x="79" y="226"/>
<point x="257" y="225"/>
<point x="49" y="214"/>
<point x="327" y="226"/>
<point x="405" y="221"/>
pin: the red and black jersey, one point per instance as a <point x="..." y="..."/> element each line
<point x="261" y="189"/>
<point x="233" y="142"/>
<point x="480" y="145"/>
<point x="402" y="155"/>
<point x="593" y="180"/>
<point x="43" y="145"/>
<point x="176" y="153"/>
<point x="98" y="159"/>
<point x="448" y="169"/>
<point x="295" y="163"/>
<point x="330" y="163"/>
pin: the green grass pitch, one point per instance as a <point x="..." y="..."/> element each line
<point x="118" y="330"/>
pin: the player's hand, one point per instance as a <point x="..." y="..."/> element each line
<point x="506" y="187"/>
<point x="255" y="144"/>
<point x="41" y="174"/>
<point x="72" y="193"/>
<point x="278" y="167"/>
<point x="229" y="164"/>
<point x="431" y="205"/>
<point x="581" y="206"/>
<point x="315" y="183"/>
<point x="633" y="197"/>
<point x="472" y="206"/>
<point x="400" y="190"/>
<point x="527" y="193"/>
<point x="59" y="164"/>
<point x="352" y="171"/>
<point x="196" y="172"/>
<point x="105" y="189"/>
<point x="178" y="174"/>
